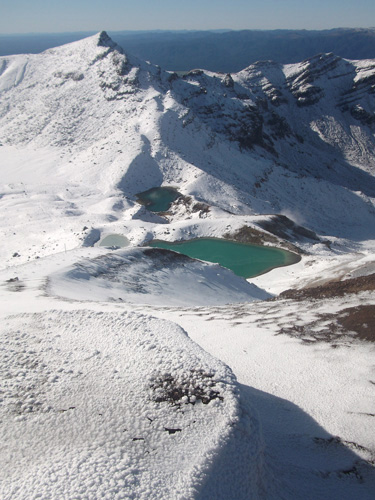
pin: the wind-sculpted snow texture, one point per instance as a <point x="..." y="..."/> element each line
<point x="116" y="406"/>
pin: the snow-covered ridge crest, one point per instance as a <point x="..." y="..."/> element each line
<point x="59" y="89"/>
<point x="86" y="46"/>
<point x="106" y="41"/>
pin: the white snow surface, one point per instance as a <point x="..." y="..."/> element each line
<point x="135" y="373"/>
<point x="152" y="276"/>
<point x="88" y="414"/>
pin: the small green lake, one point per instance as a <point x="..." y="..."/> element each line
<point x="158" y="199"/>
<point x="243" y="259"/>
<point x="114" y="240"/>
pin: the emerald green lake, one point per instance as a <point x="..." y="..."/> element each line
<point x="114" y="240"/>
<point x="158" y="199"/>
<point x="243" y="259"/>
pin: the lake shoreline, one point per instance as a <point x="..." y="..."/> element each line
<point x="246" y="261"/>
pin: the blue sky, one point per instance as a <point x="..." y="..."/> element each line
<point x="32" y="16"/>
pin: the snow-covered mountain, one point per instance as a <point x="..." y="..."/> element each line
<point x="275" y="154"/>
<point x="295" y="139"/>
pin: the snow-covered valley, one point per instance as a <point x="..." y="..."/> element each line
<point x="139" y="373"/>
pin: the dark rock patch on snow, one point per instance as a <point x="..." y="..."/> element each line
<point x="247" y="234"/>
<point x="285" y="228"/>
<point x="360" y="320"/>
<point x="332" y="289"/>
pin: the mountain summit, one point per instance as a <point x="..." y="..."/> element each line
<point x="106" y="41"/>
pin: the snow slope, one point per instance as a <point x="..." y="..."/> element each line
<point x="152" y="276"/>
<point x="89" y="415"/>
<point x="97" y="396"/>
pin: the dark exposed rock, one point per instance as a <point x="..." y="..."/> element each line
<point x="228" y="81"/>
<point x="247" y="234"/>
<point x="172" y="77"/>
<point x="172" y="431"/>
<point x="195" y="72"/>
<point x="360" y="320"/>
<point x="164" y="257"/>
<point x="285" y="228"/>
<point x="203" y="208"/>
<point x="332" y="289"/>
<point x="315" y="67"/>
<point x="308" y="96"/>
<point x="104" y="39"/>
<point x="279" y="126"/>
<point x="362" y="115"/>
<point x="190" y="206"/>
<point x="188" y="388"/>
<point x="353" y="323"/>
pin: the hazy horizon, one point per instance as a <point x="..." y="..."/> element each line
<point x="187" y="30"/>
<point x="24" y="17"/>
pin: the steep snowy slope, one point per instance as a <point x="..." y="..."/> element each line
<point x="315" y="120"/>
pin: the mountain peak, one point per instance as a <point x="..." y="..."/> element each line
<point x="86" y="47"/>
<point x="104" y="40"/>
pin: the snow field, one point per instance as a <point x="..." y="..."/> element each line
<point x="87" y="414"/>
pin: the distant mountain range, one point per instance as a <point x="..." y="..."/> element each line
<point x="223" y="51"/>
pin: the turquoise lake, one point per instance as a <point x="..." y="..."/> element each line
<point x="114" y="240"/>
<point x="243" y="259"/>
<point x="158" y="199"/>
